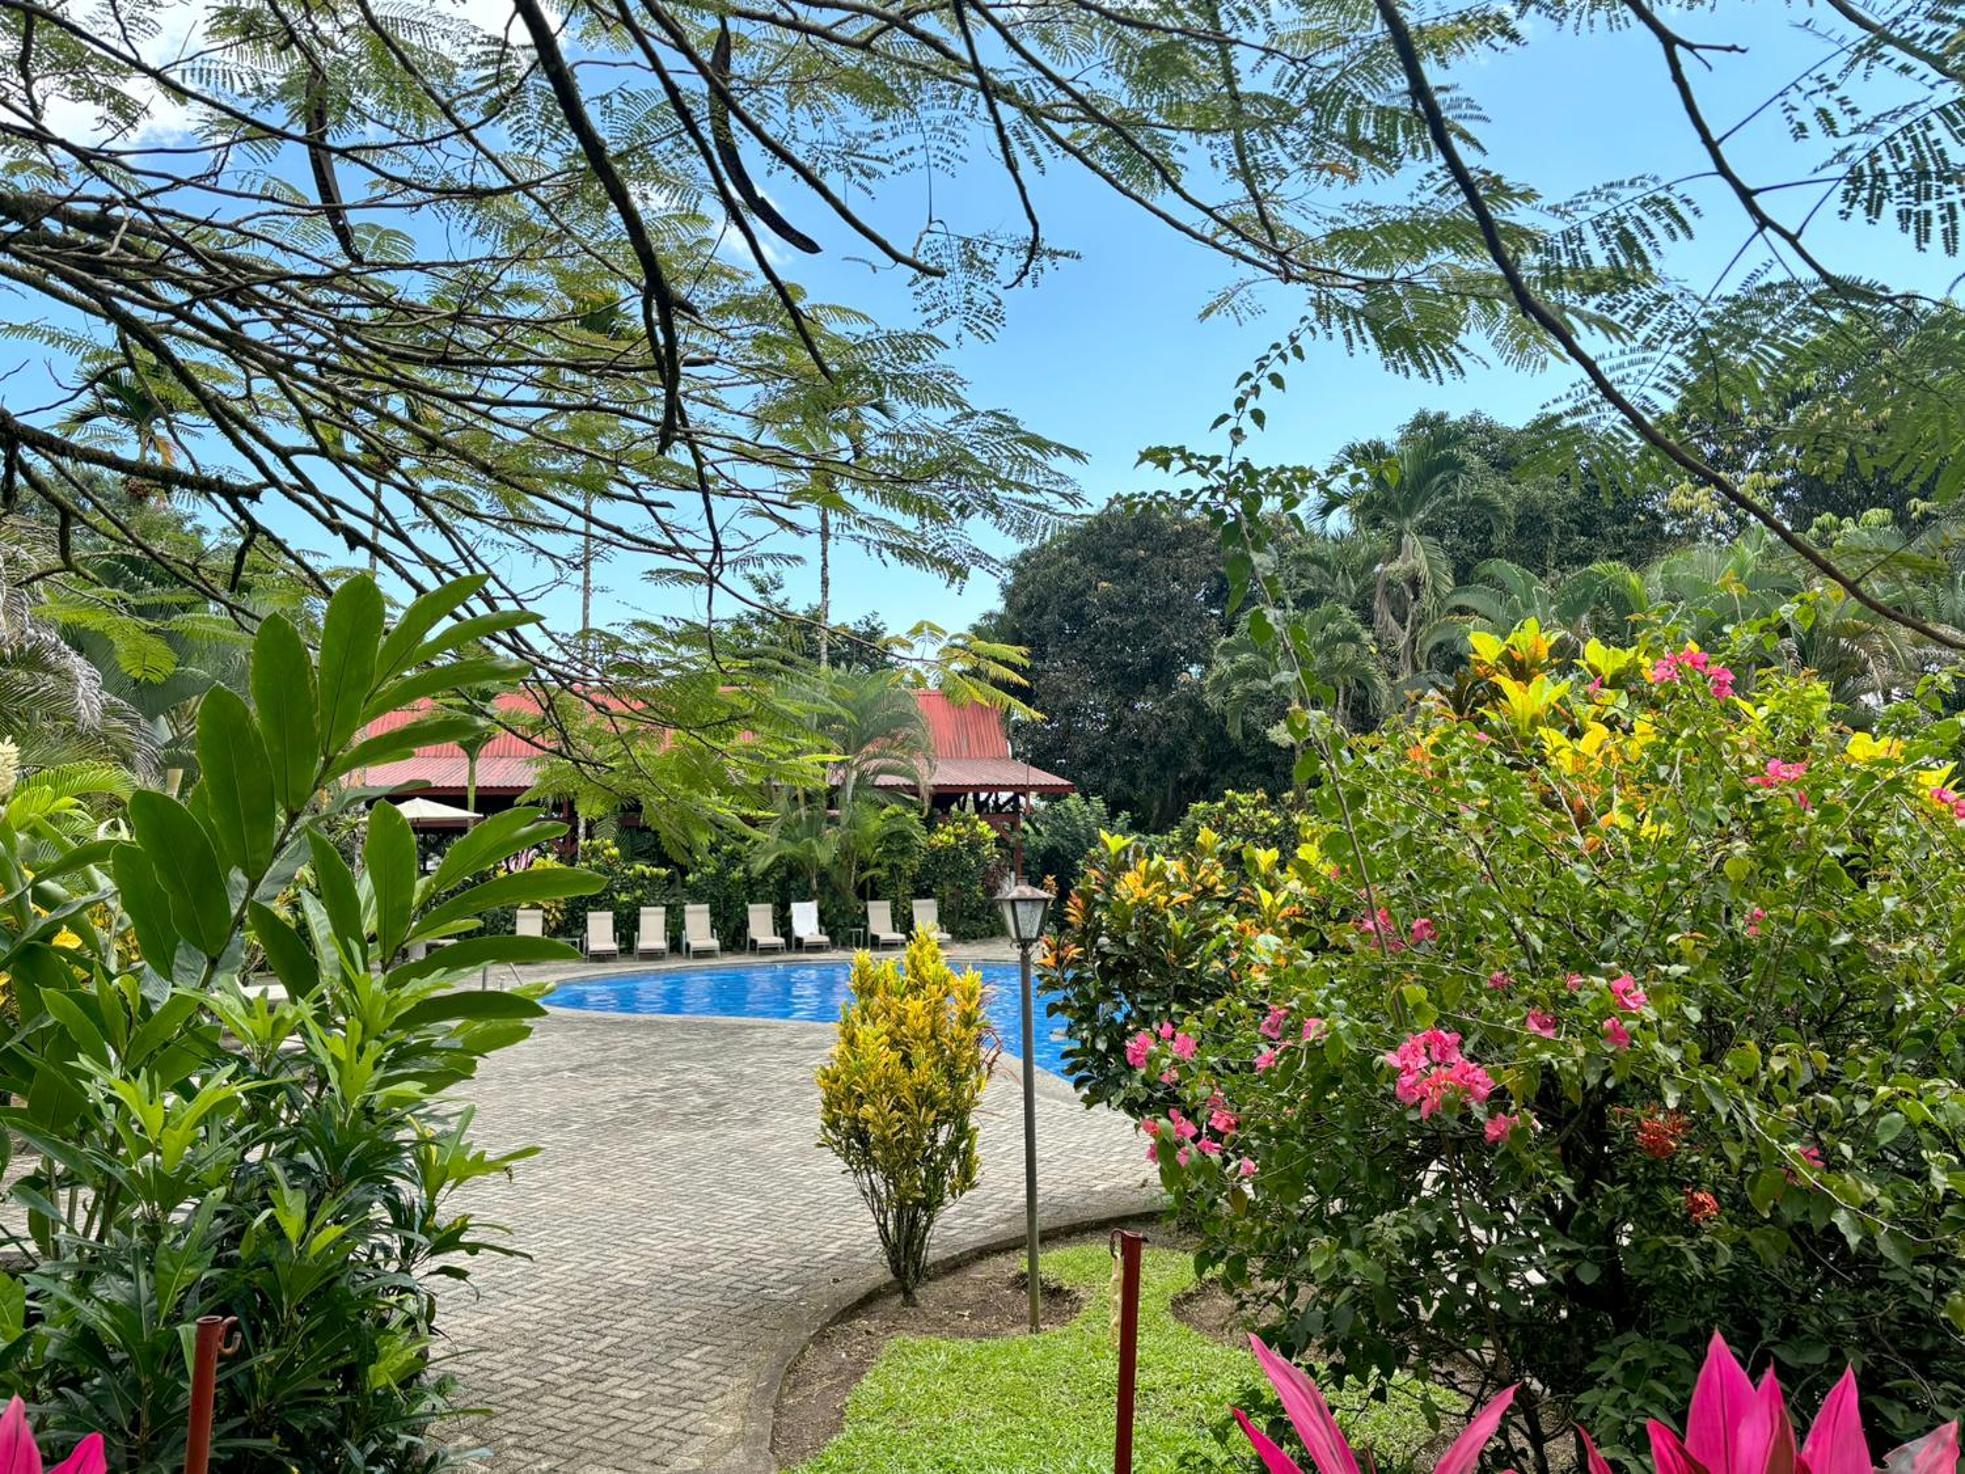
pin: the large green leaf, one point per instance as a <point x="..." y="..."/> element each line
<point x="147" y="904"/>
<point x="524" y="888"/>
<point x="481" y="671"/>
<point x="238" y="782"/>
<point x="475" y="952"/>
<point x="334" y="883"/>
<point x="283" y="692"/>
<point x="389" y="862"/>
<point x="351" y="634"/>
<point x="498" y="838"/>
<point x="387" y="747"/>
<point x="403" y="647"/>
<point x="186" y="865"/>
<point x="476" y="1004"/>
<point x="469" y="631"/>
<point x="286" y="952"/>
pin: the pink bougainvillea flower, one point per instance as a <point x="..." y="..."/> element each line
<point x="1433" y="1072"/>
<point x="1423" y="930"/>
<point x="1754" y="919"/>
<point x="1812" y="1155"/>
<point x="1499" y="1128"/>
<point x="20" y="1455"/>
<point x="1540" y="1021"/>
<point x="1184" y="1046"/>
<point x="1246" y="1168"/>
<point x="1166" y="1031"/>
<point x="1151" y="1125"/>
<point x="1779" y="773"/>
<point x="1265" y="1060"/>
<point x="1381" y="925"/>
<point x="1719" y="680"/>
<point x="1618" y="1036"/>
<point x="1223" y="1123"/>
<point x="1153" y="1151"/>
<point x="1312" y="1028"/>
<point x="1186" y="1130"/>
<point x="1663" y="669"/>
<point x="1184" y="1155"/>
<point x="1138" y="1048"/>
<point x="1209" y="1146"/>
<point x="1170" y="1076"/>
<point x="1574" y="982"/>
<point x="1500" y="981"/>
<point x="1628" y="995"/>
<point x="1310" y="1415"/>
<point x="1272" y="1026"/>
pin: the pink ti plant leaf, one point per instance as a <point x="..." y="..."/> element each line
<point x="1837" y="1444"/>
<point x="20" y="1455"/>
<point x="1723" y="1406"/>
<point x="1935" y="1453"/>
<point x="1310" y="1415"/>
<point x="1736" y="1428"/>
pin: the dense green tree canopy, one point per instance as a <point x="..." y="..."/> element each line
<point x="1121" y="614"/>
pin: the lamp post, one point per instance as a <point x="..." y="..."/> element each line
<point x="1023" y="908"/>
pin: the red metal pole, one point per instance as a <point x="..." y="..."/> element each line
<point x="215" y="1339"/>
<point x="1127" y="1245"/>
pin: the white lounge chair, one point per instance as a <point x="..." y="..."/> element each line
<point x="880" y="925"/>
<point x="601" y="945"/>
<point x="763" y="929"/>
<point x="928" y="918"/>
<point x="698" y="939"/>
<point x="652" y="934"/>
<point x="529" y="923"/>
<point x="805" y="933"/>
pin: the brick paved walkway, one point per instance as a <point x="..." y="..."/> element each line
<point x="687" y="1234"/>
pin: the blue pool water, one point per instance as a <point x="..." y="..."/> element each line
<point x="791" y="990"/>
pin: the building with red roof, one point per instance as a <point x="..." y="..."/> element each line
<point x="972" y="767"/>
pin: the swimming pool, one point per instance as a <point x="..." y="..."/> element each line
<point x="791" y="990"/>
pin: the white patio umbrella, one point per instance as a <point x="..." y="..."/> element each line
<point x="428" y="813"/>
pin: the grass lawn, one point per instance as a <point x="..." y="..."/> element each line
<point x="1044" y="1404"/>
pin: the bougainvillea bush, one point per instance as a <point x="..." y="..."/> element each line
<point x="1601" y="1006"/>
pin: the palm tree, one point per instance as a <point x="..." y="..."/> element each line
<point x="1330" y="651"/>
<point x="53" y="702"/>
<point x="1402" y="492"/>
<point x="874" y="728"/>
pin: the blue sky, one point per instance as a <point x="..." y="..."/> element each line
<point x="1107" y="354"/>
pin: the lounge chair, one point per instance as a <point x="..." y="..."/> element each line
<point x="529" y="923"/>
<point x="763" y="929"/>
<point x="928" y="918"/>
<point x="600" y="936"/>
<point x="880" y="925"/>
<point x="652" y="935"/>
<point x="805" y="933"/>
<point x="698" y="940"/>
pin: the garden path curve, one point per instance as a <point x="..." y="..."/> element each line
<point x="687" y="1235"/>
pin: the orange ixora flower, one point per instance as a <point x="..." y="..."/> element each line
<point x="1659" y="1136"/>
<point x="1700" y="1206"/>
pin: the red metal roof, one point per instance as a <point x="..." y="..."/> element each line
<point x="971" y="744"/>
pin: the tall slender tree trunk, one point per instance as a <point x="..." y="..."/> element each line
<point x="587" y="572"/>
<point x="825" y="589"/>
